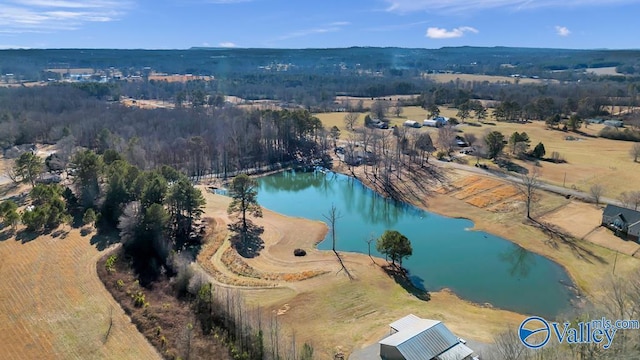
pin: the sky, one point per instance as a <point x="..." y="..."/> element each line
<point x="181" y="24"/>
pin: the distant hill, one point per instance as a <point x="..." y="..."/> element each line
<point x="29" y="63"/>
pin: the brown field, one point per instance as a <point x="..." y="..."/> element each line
<point x="582" y="221"/>
<point x="589" y="160"/>
<point x="445" y="78"/>
<point x="409" y="113"/>
<point x="604" y="71"/>
<point x="147" y="104"/>
<point x="72" y="71"/>
<point x="179" y="78"/>
<point x="53" y="306"/>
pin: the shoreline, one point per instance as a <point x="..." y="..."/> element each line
<point x="577" y="292"/>
<point x="373" y="297"/>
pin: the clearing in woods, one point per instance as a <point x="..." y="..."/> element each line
<point x="53" y="305"/>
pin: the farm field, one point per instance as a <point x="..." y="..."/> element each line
<point x="590" y="160"/>
<point x="147" y="104"/>
<point x="582" y="221"/>
<point x="483" y="192"/>
<point x="445" y="78"/>
<point x="53" y="306"/>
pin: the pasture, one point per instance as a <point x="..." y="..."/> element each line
<point x="589" y="159"/>
<point x="53" y="305"/>
<point x="445" y="78"/>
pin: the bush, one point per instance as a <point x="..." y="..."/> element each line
<point x="139" y="299"/>
<point x="299" y="252"/>
<point x="441" y="155"/>
<point x="614" y="134"/>
<point x="89" y="217"/>
<point x="557" y="158"/>
<point x="110" y="263"/>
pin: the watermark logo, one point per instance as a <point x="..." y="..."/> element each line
<point x="535" y="332"/>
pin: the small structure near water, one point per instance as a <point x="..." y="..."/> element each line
<point x="414" y="338"/>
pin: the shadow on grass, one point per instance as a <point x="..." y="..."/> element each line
<point x="104" y="238"/>
<point x="556" y="236"/>
<point x="249" y="245"/>
<point x="25" y="236"/>
<point x="6" y="234"/>
<point x="511" y="166"/>
<point x="402" y="278"/>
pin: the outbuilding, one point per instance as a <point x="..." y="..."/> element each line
<point x="412" y="123"/>
<point x="414" y="338"/>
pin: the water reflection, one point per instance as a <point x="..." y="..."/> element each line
<point x="475" y="265"/>
<point x="520" y="261"/>
<point x="290" y="181"/>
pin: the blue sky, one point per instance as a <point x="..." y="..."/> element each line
<point x="176" y="24"/>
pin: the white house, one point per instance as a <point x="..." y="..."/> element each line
<point x="412" y="123"/>
<point x="437" y="121"/>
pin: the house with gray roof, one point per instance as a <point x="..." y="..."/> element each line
<point x="625" y="222"/>
<point x="415" y="338"/>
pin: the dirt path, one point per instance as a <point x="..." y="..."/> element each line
<point x="53" y="306"/>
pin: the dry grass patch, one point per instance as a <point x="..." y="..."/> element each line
<point x="483" y="192"/>
<point x="445" y="78"/>
<point x="576" y="218"/>
<point x="53" y="306"/>
<point x="496" y="195"/>
<point x="211" y="251"/>
<point x="474" y="187"/>
<point x="237" y="265"/>
<point x="605" y="237"/>
<point x="589" y="160"/>
<point x="582" y="221"/>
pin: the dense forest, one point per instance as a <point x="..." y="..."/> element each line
<point x="285" y="74"/>
<point x="390" y="61"/>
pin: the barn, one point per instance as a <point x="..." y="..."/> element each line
<point x="415" y="338"/>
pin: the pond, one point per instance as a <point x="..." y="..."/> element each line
<point x="477" y="266"/>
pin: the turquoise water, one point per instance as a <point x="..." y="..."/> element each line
<point x="477" y="266"/>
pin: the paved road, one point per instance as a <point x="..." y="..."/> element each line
<point x="517" y="179"/>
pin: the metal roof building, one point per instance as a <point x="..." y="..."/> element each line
<point x="422" y="339"/>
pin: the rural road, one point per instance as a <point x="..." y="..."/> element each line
<point x="516" y="179"/>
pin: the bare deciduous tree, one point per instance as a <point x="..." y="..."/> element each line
<point x="397" y="109"/>
<point x="379" y="109"/>
<point x="630" y="199"/>
<point x="350" y="120"/>
<point x="424" y="143"/>
<point x="509" y="346"/>
<point x="596" y="191"/>
<point x="446" y="138"/>
<point x="528" y="185"/>
<point x="332" y="217"/>
<point x="635" y="152"/>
